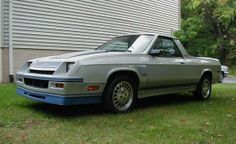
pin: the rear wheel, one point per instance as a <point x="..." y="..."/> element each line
<point x="203" y="90"/>
<point x="120" y="95"/>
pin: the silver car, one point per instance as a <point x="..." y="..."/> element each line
<point x="119" y="72"/>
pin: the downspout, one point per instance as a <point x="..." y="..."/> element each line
<point x="11" y="75"/>
<point x="180" y="16"/>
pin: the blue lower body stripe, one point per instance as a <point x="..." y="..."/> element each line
<point x="58" y="99"/>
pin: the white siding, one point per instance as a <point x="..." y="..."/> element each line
<point x="85" y="24"/>
<point x="1" y="40"/>
<point x="5" y="22"/>
<point x="1" y="25"/>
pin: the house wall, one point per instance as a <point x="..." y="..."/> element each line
<point x="42" y="28"/>
<point x="1" y="24"/>
<point x="5" y="65"/>
<point x="22" y="55"/>
<point x="1" y="37"/>
<point x="5" y="23"/>
<point x="1" y="68"/>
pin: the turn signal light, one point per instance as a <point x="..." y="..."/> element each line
<point x="59" y="85"/>
<point x="93" y="88"/>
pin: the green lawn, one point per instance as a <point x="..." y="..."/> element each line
<point x="163" y="119"/>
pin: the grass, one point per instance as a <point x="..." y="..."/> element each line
<point x="174" y="118"/>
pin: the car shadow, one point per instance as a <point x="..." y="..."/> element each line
<point x="66" y="111"/>
<point x="96" y="109"/>
<point x="165" y="100"/>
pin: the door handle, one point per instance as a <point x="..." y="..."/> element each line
<point x="182" y="62"/>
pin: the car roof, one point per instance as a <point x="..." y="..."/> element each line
<point x="143" y="33"/>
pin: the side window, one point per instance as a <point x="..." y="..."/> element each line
<point x="167" y="47"/>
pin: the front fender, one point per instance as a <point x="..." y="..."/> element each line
<point x="120" y="69"/>
<point x="205" y="70"/>
<point x="139" y="70"/>
<point x="101" y="73"/>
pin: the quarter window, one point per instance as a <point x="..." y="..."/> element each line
<point x="167" y="47"/>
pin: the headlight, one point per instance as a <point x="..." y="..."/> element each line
<point x="19" y="79"/>
<point x="69" y="66"/>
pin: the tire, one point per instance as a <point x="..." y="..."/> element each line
<point x="120" y="95"/>
<point x="203" y="90"/>
<point x="221" y="77"/>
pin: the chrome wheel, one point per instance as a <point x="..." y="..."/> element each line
<point x="206" y="88"/>
<point x="122" y="95"/>
<point x="203" y="90"/>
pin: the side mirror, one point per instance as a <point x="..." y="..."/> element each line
<point x="156" y="52"/>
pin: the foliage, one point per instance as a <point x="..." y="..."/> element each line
<point x="232" y="71"/>
<point x="176" y="118"/>
<point x="209" y="28"/>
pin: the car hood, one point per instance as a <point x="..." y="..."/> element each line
<point x="73" y="56"/>
<point x="78" y="54"/>
<point x="95" y="57"/>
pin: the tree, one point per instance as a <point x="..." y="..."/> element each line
<point x="209" y="28"/>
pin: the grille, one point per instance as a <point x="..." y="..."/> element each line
<point x="42" y="72"/>
<point x="36" y="83"/>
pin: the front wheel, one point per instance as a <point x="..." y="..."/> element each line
<point x="203" y="90"/>
<point x="120" y="95"/>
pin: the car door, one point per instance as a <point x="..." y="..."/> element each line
<point x="168" y="67"/>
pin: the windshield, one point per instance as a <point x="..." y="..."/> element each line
<point x="137" y="43"/>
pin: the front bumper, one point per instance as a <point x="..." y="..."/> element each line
<point x="58" y="99"/>
<point x="74" y="92"/>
